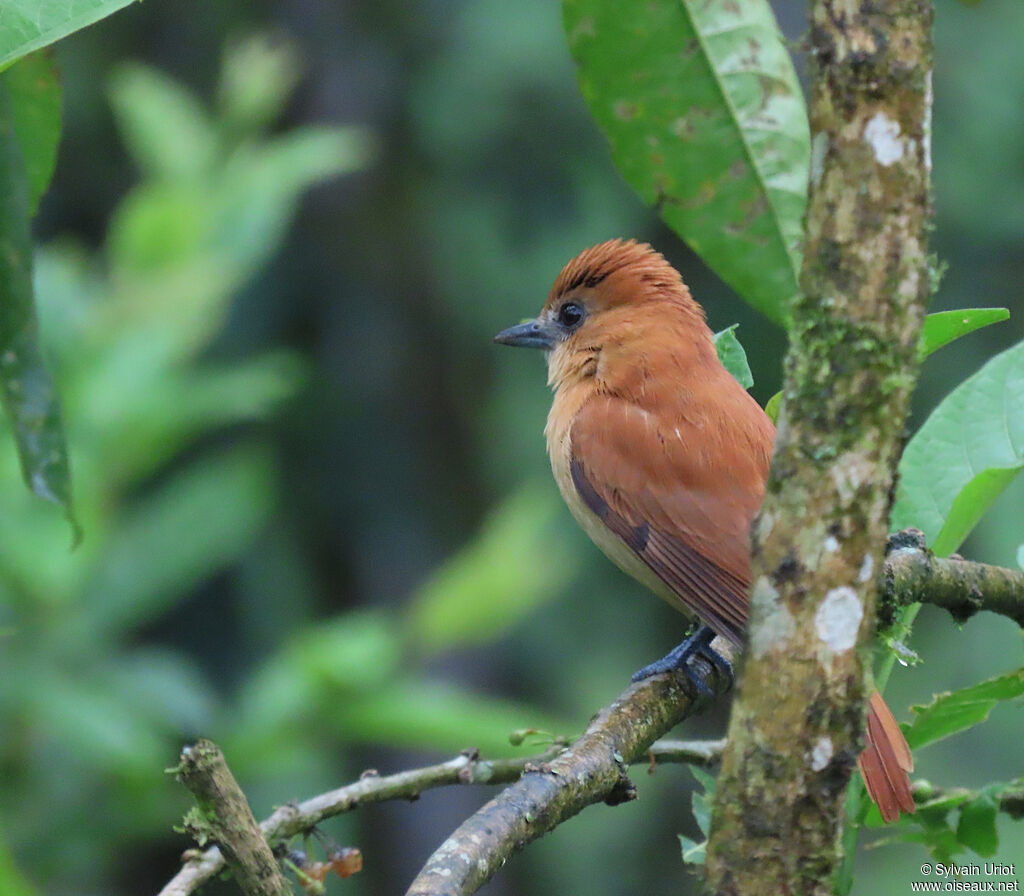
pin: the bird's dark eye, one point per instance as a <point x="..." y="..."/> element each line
<point x="570" y="315"/>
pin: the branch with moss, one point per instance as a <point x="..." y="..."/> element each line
<point x="223" y="815"/>
<point x="913" y="574"/>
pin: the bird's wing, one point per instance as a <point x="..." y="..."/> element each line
<point x="682" y="505"/>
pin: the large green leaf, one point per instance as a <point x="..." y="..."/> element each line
<point x="27" y="25"/>
<point x="706" y="121"/>
<point x="27" y="392"/>
<point x="942" y="327"/>
<point x="966" y="453"/>
<point x="35" y="99"/>
<point x="952" y="712"/>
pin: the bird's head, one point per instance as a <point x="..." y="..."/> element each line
<point x="608" y="300"/>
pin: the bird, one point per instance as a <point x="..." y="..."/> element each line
<point x="663" y="457"/>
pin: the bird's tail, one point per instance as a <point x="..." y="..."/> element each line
<point x="886" y="762"/>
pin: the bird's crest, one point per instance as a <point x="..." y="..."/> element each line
<point x="621" y="259"/>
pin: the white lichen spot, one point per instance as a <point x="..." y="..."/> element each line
<point x="821" y="754"/>
<point x="883" y="134"/>
<point x="831" y="544"/>
<point x="909" y="284"/>
<point x="866" y="569"/>
<point x="838" y="619"/>
<point x="849" y="473"/>
<point x="819" y="149"/>
<point x="772" y="623"/>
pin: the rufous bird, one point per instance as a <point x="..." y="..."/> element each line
<point x="662" y="457"/>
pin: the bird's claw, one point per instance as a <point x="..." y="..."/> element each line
<point x="680" y="659"/>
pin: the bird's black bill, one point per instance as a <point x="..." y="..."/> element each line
<point x="531" y="334"/>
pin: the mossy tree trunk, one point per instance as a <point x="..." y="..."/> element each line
<point x="797" y="723"/>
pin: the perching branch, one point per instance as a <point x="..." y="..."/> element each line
<point x="797" y="722"/>
<point x="591" y="770"/>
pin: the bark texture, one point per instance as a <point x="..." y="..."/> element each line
<point x="797" y="723"/>
<point x="223" y="815"/>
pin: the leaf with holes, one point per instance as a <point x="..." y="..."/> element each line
<point x="707" y="122"/>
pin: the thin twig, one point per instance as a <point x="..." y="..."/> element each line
<point x="1009" y="799"/>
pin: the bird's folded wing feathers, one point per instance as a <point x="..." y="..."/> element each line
<point x="687" y="521"/>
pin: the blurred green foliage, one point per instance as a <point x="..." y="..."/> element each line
<point x="297" y="454"/>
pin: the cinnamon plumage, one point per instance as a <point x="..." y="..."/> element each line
<point x="662" y="456"/>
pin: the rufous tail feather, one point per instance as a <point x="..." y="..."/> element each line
<point x="886" y="762"/>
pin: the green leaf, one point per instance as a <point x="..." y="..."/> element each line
<point x="772" y="406"/>
<point x="694" y="853"/>
<point x="707" y="122"/>
<point x="28" y="394"/>
<point x="511" y="566"/>
<point x="950" y="713"/>
<point x="702" y="802"/>
<point x="35" y="98"/>
<point x="967" y="452"/>
<point x="977" y="826"/>
<point x="943" y="327"/>
<point x="258" y="75"/>
<point x="165" y="127"/>
<point x="733" y="357"/>
<point x="1020" y="556"/>
<point x="27" y="25"/>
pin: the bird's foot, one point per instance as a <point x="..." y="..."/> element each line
<point x="680" y="658"/>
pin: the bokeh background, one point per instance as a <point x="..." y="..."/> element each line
<point x="319" y="525"/>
